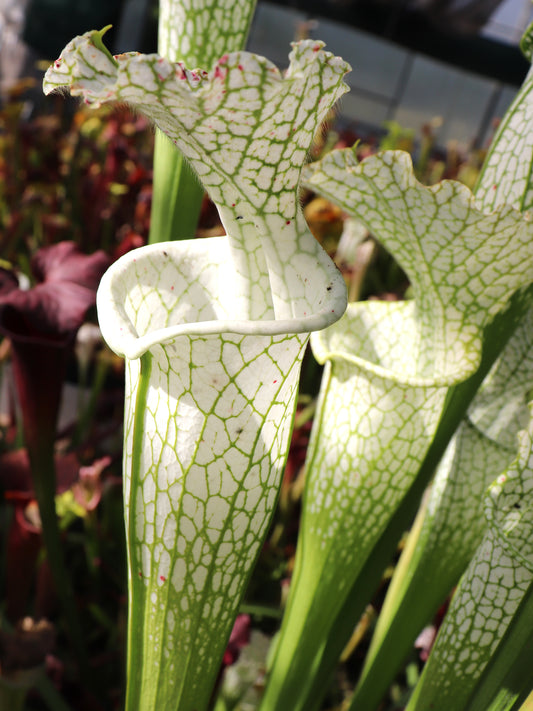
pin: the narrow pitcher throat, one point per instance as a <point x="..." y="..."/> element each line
<point x="277" y="251"/>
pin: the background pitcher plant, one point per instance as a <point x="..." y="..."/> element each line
<point x="389" y="370"/>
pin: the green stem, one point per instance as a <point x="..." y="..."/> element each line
<point x="177" y="195"/>
<point x="87" y="412"/>
<point x="39" y="400"/>
<point x="134" y="665"/>
<point x="383" y="663"/>
<point x="42" y="461"/>
<point x="50" y="695"/>
<point x="12" y="696"/>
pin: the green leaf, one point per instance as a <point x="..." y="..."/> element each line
<point x="389" y="368"/>
<point x="489" y="594"/>
<point x="308" y="691"/>
<point x="451" y="524"/>
<point x="506" y="680"/>
<point x="526" y="43"/>
<point x="463" y="263"/>
<point x="506" y="176"/>
<point x="177" y="195"/>
<point x="447" y="528"/>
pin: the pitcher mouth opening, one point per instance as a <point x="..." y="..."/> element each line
<point x="157" y="293"/>
<point x="351" y="341"/>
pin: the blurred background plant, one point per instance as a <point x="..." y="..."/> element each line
<point x="73" y="174"/>
<point x="68" y="177"/>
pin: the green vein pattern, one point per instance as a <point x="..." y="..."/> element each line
<point x="246" y="131"/>
<point x="389" y="367"/>
<point x="490" y="592"/>
<point x="197" y="34"/>
<point x="204" y="453"/>
<point x="449" y="527"/>
<point x="452" y="522"/>
<point x="213" y="332"/>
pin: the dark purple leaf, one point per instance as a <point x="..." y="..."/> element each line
<point x="56" y="307"/>
<point x="42" y="323"/>
<point x="63" y="262"/>
<point x="8" y="282"/>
